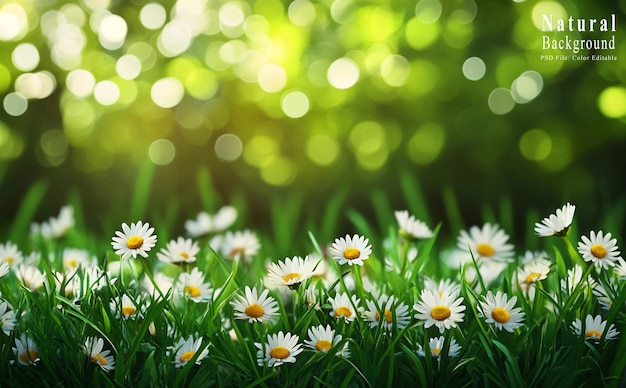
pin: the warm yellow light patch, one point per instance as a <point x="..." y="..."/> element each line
<point x="343" y="311"/>
<point x="192" y="291"/>
<point x="98" y="359"/>
<point x="255" y="311"/>
<point x="351" y="253"/>
<point x="72" y="263"/>
<point x="500" y="315"/>
<point x="440" y="313"/>
<point x="184" y="255"/>
<point x="291" y="276"/>
<point x="598" y="251"/>
<point x="485" y="249"/>
<point x="185" y="357"/>
<point x="323" y="345"/>
<point x="435" y="351"/>
<point x="279" y="352"/>
<point x="134" y="242"/>
<point x="9" y="260"/>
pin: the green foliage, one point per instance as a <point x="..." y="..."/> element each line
<point x="544" y="351"/>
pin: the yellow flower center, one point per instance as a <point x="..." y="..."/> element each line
<point x="255" y="311"/>
<point x="134" y="242"/>
<point x="500" y="315"/>
<point x="598" y="251"/>
<point x="9" y="259"/>
<point x="187" y="356"/>
<point x="343" y="311"/>
<point x="184" y="255"/>
<point x="98" y="359"/>
<point x="323" y="345"/>
<point x="440" y="313"/>
<point x="435" y="351"/>
<point x="279" y="352"/>
<point x="533" y="277"/>
<point x="128" y="310"/>
<point x="236" y="251"/>
<point x="192" y="291"/>
<point x="485" y="249"/>
<point x="388" y="316"/>
<point x="29" y="356"/>
<point x="351" y="253"/>
<point x="291" y="276"/>
<point x="72" y="263"/>
<point x="592" y="334"/>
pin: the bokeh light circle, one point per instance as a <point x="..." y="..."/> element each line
<point x="343" y="73"/>
<point x="228" y="147"/>
<point x="106" y="92"/>
<point x="612" y="102"/>
<point x="295" y="104"/>
<point x="501" y="101"/>
<point x="25" y="57"/>
<point x="474" y="68"/>
<point x="167" y="92"/>
<point x="162" y="152"/>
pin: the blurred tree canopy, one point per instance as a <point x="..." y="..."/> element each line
<point x="310" y="97"/>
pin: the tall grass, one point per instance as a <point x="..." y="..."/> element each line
<point x="545" y="351"/>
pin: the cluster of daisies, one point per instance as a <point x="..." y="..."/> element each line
<point x="334" y="283"/>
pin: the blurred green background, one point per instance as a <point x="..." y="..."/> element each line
<point x="314" y="99"/>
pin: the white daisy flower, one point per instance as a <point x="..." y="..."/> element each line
<point x="4" y="269"/>
<point x="26" y="351"/>
<point x="620" y="268"/>
<point x="594" y="328"/>
<point x="386" y="313"/>
<point x="94" y="349"/>
<point x="10" y="254"/>
<point x="574" y="278"/>
<point x="239" y="245"/>
<point x="136" y="239"/>
<point x="530" y="256"/>
<point x="30" y="276"/>
<point x="600" y="249"/>
<point x="7" y="317"/>
<point x="606" y="295"/>
<point x="501" y="311"/>
<point x="436" y="346"/>
<point x="443" y="286"/>
<point x="344" y="307"/>
<point x="254" y="307"/>
<point x="163" y="282"/>
<point x="126" y="308"/>
<point x="443" y="311"/>
<point x="487" y="243"/>
<point x="351" y="250"/>
<point x="205" y="224"/>
<point x="192" y="286"/>
<point x="56" y="227"/>
<point x="533" y="272"/>
<point x="179" y="251"/>
<point x="186" y="350"/>
<point x="323" y="338"/>
<point x="556" y="224"/>
<point x="95" y="278"/>
<point x="290" y="272"/>
<point x="74" y="258"/>
<point x="279" y="349"/>
<point x="410" y="227"/>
